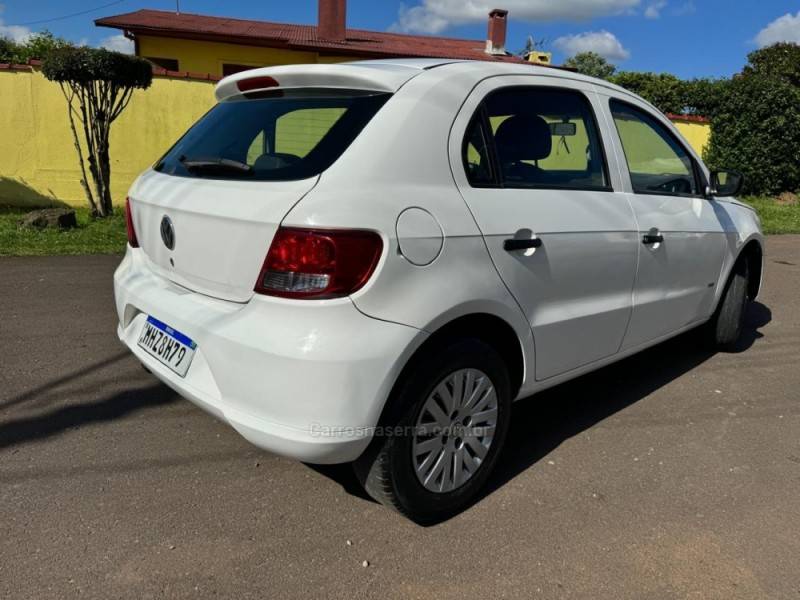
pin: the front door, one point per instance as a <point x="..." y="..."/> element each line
<point x="682" y="239"/>
<point x="530" y="163"/>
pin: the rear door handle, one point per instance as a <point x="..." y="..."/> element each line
<point x="515" y="244"/>
<point x="652" y="238"/>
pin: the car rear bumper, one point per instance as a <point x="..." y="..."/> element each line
<point x="307" y="380"/>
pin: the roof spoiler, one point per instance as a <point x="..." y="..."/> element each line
<point x="340" y="76"/>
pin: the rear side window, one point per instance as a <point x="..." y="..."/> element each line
<point x="657" y="162"/>
<point x="273" y="138"/>
<point x="540" y="137"/>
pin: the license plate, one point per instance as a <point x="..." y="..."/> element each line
<point x="169" y="346"/>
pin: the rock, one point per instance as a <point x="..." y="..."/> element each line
<point x="787" y="199"/>
<point x="50" y="218"/>
<point x="365" y="564"/>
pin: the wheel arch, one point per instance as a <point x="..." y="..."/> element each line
<point x="489" y="328"/>
<point x="753" y="253"/>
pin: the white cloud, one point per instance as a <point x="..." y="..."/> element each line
<point x="653" y="11"/>
<point x="434" y="16"/>
<point x="117" y="43"/>
<point x="603" y="43"/>
<point x="17" y="33"/>
<point x="782" y="29"/>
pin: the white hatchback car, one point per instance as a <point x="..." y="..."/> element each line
<point x="369" y="262"/>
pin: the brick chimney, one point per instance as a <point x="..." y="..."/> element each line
<point x="496" y="38"/>
<point x="332" y="20"/>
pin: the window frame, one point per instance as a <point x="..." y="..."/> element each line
<point x="481" y="119"/>
<point x="697" y="173"/>
<point x="482" y="113"/>
<point x="160" y="62"/>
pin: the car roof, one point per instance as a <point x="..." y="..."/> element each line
<point x="388" y="75"/>
<point x="487" y="67"/>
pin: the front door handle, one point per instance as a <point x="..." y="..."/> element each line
<point x="652" y="238"/>
<point x="515" y="244"/>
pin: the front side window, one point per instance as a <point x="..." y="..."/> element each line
<point x="274" y="138"/>
<point x="543" y="138"/>
<point x="657" y="162"/>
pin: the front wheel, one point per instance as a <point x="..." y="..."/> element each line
<point x="725" y="327"/>
<point x="447" y="424"/>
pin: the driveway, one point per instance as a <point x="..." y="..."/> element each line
<point x="673" y="474"/>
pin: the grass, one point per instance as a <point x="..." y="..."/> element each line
<point x="775" y="218"/>
<point x="107" y="236"/>
<point x="92" y="236"/>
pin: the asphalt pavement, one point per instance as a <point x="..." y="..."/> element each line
<point x="672" y="474"/>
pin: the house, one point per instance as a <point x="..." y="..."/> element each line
<point x="223" y="46"/>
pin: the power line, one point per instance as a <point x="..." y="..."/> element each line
<point x="77" y="14"/>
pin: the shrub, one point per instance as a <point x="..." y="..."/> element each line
<point x="98" y="85"/>
<point x="757" y="131"/>
<point x="662" y="90"/>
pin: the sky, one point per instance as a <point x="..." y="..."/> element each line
<point x="690" y="38"/>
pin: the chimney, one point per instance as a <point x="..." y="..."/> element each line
<point x="332" y="20"/>
<point x="496" y="42"/>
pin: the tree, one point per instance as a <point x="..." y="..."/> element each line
<point x="756" y="128"/>
<point x="779" y="61"/>
<point x="97" y="85"/>
<point x="37" y="46"/>
<point x="591" y="64"/>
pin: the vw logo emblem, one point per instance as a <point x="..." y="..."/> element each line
<point x="167" y="232"/>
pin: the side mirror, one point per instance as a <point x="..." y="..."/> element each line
<point x="726" y="183"/>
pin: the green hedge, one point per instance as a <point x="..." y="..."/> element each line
<point x="756" y="126"/>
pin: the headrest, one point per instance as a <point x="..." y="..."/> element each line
<point x="523" y="137"/>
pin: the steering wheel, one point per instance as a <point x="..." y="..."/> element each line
<point x="679" y="185"/>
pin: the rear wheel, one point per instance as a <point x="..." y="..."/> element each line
<point x="725" y="327"/>
<point x="448" y="421"/>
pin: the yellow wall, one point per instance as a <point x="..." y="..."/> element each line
<point x="697" y="134"/>
<point x="38" y="162"/>
<point x="208" y="57"/>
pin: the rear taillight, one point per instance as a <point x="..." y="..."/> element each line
<point x="317" y="263"/>
<point x="129" y="225"/>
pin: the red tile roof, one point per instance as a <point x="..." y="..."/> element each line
<point x="359" y="42"/>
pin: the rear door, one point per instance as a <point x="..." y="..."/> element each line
<point x="681" y="236"/>
<point x="529" y="160"/>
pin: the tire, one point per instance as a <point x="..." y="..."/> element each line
<point x="393" y="468"/>
<point x="725" y="327"/>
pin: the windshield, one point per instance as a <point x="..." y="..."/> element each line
<point x="273" y="138"/>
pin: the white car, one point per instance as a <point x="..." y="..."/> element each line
<point x="369" y="262"/>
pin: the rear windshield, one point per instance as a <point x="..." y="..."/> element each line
<point x="272" y="138"/>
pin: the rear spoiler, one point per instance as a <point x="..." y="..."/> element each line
<point x="378" y="78"/>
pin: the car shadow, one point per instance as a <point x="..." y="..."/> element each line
<point x="543" y="422"/>
<point x="64" y="418"/>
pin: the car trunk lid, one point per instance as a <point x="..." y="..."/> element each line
<point x="220" y="230"/>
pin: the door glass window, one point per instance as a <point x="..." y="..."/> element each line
<point x="546" y="138"/>
<point x="657" y="162"/>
